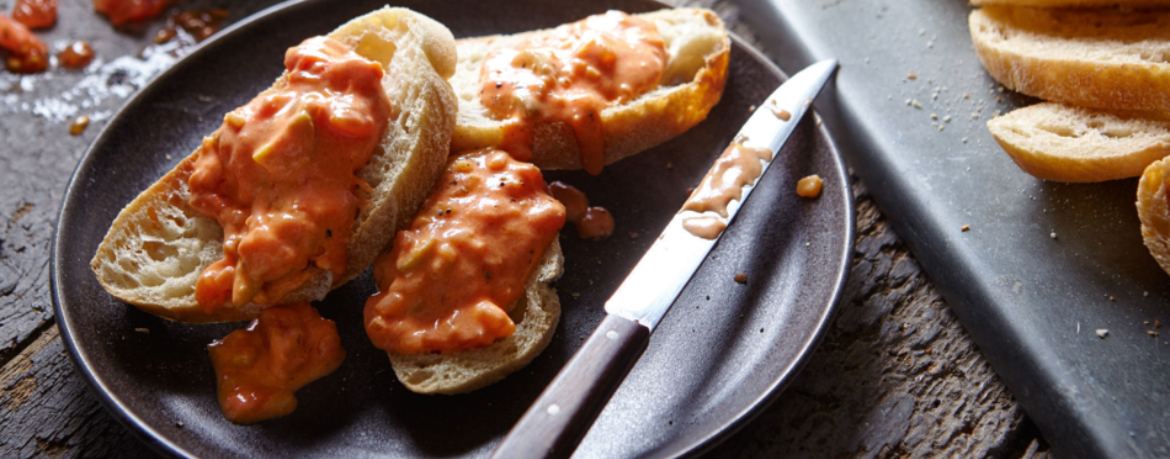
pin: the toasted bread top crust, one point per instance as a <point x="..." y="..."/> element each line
<point x="1153" y="206"/>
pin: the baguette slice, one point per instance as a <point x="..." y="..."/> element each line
<point x="1153" y="206"/>
<point x="536" y="315"/>
<point x="1076" y="3"/>
<point x="1072" y="144"/>
<point x="159" y="245"/>
<point x="698" y="49"/>
<point x="1099" y="58"/>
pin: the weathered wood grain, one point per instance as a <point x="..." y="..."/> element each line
<point x="47" y="410"/>
<point x="896" y="376"/>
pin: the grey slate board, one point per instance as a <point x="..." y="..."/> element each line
<point x="1032" y="301"/>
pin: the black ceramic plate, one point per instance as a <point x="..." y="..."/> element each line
<point x="723" y="351"/>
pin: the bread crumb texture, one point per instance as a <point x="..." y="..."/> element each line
<point x="1101" y="58"/>
<point x="1072" y="144"/>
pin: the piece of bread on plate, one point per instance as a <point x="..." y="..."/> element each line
<point x="536" y="315"/>
<point x="1058" y="142"/>
<point x="159" y="245"/>
<point x="698" y="48"/>
<point x="1100" y="58"/>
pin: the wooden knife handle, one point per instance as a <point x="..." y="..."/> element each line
<point x="556" y="422"/>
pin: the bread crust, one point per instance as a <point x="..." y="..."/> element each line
<point x="1100" y="58"/>
<point x="1072" y="144"/>
<point x="630" y="128"/>
<point x="158" y="245"/>
<point x="1154" y="211"/>
<point x="536" y="316"/>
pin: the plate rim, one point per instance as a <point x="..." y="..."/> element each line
<point x="160" y="443"/>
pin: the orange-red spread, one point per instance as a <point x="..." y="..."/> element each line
<point x="449" y="280"/>
<point x="35" y="13"/>
<point x="591" y="222"/>
<point x="570" y="75"/>
<point x="26" y="52"/>
<point x="736" y="167"/>
<point x="279" y="175"/>
<point x="258" y="369"/>
<point x="123" y="11"/>
<point x="77" y="55"/>
<point x="200" y="24"/>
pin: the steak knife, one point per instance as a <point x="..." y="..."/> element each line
<point x="560" y="417"/>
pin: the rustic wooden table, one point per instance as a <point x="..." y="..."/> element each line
<point x="895" y="376"/>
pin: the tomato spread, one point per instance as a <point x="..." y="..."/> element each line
<point x="258" y="369"/>
<point x="279" y="175"/>
<point x="35" y="13"/>
<point x="123" y="11"/>
<point x="449" y="280"/>
<point x="736" y="167"/>
<point x="26" y="52"/>
<point x="200" y="24"/>
<point x="77" y="55"/>
<point x="570" y="75"/>
<point x="591" y="222"/>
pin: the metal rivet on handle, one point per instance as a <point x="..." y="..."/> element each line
<point x="612" y="334"/>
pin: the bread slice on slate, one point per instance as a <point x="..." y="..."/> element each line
<point x="1072" y="144"/>
<point x="1153" y="206"/>
<point x="1101" y="58"/>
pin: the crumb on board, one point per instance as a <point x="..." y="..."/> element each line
<point x="741" y="278"/>
<point x="1157" y="323"/>
<point x="142" y="330"/>
<point x="1102" y="332"/>
<point x="78" y="125"/>
<point x="965" y="228"/>
<point x="1152" y="333"/>
<point x="912" y="76"/>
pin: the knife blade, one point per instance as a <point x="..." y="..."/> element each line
<point x="560" y="417"/>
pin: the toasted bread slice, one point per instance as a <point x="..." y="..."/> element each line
<point x="159" y="245"/>
<point x="698" y="50"/>
<point x="1076" y="3"/>
<point x="1153" y="206"/>
<point x="536" y="315"/>
<point x="1099" y="58"/>
<point x="1072" y="144"/>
